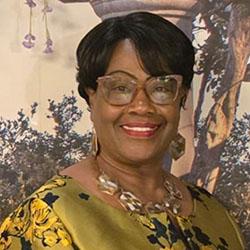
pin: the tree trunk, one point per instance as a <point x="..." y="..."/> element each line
<point x="220" y="119"/>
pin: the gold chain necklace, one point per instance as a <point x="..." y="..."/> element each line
<point x="170" y="203"/>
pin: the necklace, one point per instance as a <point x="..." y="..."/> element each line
<point x="130" y="202"/>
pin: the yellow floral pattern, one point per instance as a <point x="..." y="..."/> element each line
<point x="35" y="220"/>
<point x="55" y="182"/>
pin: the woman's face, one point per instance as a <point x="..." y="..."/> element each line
<point x="137" y="132"/>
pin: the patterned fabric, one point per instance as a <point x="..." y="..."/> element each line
<point x="61" y="215"/>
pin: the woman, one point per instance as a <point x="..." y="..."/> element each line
<point x="134" y="72"/>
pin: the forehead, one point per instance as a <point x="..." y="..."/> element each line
<point x="126" y="58"/>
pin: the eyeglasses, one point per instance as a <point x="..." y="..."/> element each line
<point x="121" y="88"/>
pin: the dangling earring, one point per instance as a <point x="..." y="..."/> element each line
<point x="176" y="147"/>
<point x="94" y="143"/>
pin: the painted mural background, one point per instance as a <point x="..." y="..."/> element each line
<point x="44" y="125"/>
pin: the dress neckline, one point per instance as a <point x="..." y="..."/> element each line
<point x="97" y="199"/>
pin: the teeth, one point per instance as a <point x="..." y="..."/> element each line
<point x="141" y="129"/>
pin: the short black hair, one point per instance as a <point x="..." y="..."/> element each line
<point x="162" y="47"/>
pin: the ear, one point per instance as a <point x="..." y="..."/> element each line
<point x="92" y="95"/>
<point x="184" y="94"/>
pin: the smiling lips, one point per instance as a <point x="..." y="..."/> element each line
<point x="142" y="130"/>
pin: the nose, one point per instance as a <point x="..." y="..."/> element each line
<point x="141" y="104"/>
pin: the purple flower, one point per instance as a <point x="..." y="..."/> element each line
<point x="30" y="37"/>
<point x="28" y="44"/>
<point x="47" y="9"/>
<point x="30" y="3"/>
<point x="49" y="42"/>
<point x="48" y="50"/>
<point x="28" y="41"/>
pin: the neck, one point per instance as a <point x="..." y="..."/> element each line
<point x="142" y="179"/>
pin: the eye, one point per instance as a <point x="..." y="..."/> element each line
<point x="162" y="89"/>
<point x="120" y="88"/>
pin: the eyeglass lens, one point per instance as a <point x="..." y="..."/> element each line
<point x="120" y="90"/>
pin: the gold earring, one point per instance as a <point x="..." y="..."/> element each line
<point x="176" y="147"/>
<point x="94" y="143"/>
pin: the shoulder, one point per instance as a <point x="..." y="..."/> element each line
<point x="35" y="221"/>
<point x="211" y="214"/>
<point x="205" y="202"/>
<point x="200" y="194"/>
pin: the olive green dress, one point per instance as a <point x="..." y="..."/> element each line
<point x="61" y="215"/>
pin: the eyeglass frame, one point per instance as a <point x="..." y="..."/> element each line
<point x="178" y="78"/>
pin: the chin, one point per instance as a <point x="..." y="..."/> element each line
<point x="138" y="155"/>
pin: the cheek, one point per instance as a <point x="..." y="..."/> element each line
<point x="172" y="117"/>
<point x="171" y="129"/>
<point x="104" y="115"/>
<point x="171" y="114"/>
<point x="104" y="119"/>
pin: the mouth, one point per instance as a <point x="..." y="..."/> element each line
<point x="145" y="130"/>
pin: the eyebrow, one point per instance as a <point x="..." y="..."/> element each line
<point x="127" y="73"/>
<point x="122" y="71"/>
